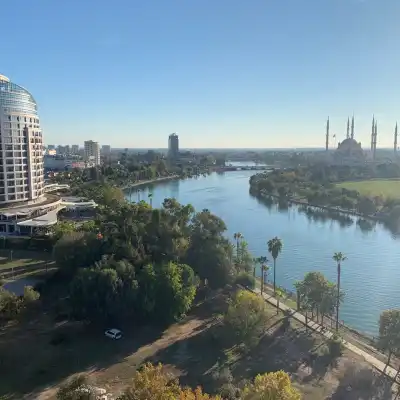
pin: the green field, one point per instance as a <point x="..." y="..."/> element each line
<point x="375" y="187"/>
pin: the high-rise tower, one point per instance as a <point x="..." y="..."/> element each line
<point x="327" y="135"/>
<point x="173" y="146"/>
<point x="21" y="153"/>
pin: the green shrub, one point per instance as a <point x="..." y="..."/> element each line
<point x="246" y="280"/>
<point x="335" y="346"/>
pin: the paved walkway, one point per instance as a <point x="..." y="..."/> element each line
<point x="379" y="365"/>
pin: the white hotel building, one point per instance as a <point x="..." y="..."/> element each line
<point x="24" y="205"/>
<point x="21" y="155"/>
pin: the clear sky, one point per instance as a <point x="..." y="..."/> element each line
<point x="221" y="73"/>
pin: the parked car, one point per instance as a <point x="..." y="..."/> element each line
<point x="113" y="334"/>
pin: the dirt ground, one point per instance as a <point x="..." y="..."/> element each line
<point x="33" y="362"/>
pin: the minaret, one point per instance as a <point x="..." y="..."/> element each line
<point x="375" y="138"/>
<point x="327" y="135"/>
<point x="348" y="128"/>
<point x="395" y="139"/>
<point x="372" y="133"/>
<point x="352" y="127"/>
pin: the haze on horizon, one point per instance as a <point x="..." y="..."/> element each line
<point x="223" y="74"/>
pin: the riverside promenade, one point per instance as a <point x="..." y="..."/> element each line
<point x="373" y="361"/>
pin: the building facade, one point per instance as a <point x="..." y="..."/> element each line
<point x="92" y="152"/>
<point x="75" y="149"/>
<point x="173" y="146"/>
<point x="21" y="143"/>
<point x="106" y="150"/>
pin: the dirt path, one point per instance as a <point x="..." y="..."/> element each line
<point x="117" y="376"/>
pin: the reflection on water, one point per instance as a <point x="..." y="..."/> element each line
<point x="370" y="276"/>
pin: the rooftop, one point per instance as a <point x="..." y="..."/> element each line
<point x="47" y="219"/>
<point x="47" y="200"/>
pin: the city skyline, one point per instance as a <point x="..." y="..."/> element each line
<point x="230" y="74"/>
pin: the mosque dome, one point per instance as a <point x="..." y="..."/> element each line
<point x="350" y="147"/>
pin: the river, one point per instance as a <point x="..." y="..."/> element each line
<point x="370" y="275"/>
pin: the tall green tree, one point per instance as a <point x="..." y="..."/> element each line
<point x="389" y="332"/>
<point x="262" y="262"/>
<point x="243" y="259"/>
<point x="339" y="257"/>
<point x="238" y="237"/>
<point x="275" y="247"/>
<point x="246" y="317"/>
<point x="209" y="253"/>
<point x="318" y="295"/>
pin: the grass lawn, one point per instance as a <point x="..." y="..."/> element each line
<point x="375" y="187"/>
<point x="22" y="259"/>
<point x="32" y="365"/>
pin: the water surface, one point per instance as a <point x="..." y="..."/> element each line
<point x="370" y="276"/>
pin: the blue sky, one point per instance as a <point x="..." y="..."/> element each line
<point x="221" y="73"/>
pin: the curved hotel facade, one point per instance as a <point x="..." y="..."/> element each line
<point x="21" y="146"/>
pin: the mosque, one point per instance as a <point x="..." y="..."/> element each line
<point x="349" y="151"/>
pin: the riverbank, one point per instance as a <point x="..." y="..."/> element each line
<point x="305" y="203"/>
<point x="357" y="338"/>
<point x="149" y="181"/>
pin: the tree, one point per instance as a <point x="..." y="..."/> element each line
<point x="316" y="293"/>
<point x="152" y="383"/>
<point x="174" y="291"/>
<point x="246" y="317"/>
<point x="76" y="250"/>
<point x="366" y="206"/>
<point x="78" y="388"/>
<point x="210" y="253"/>
<point x="62" y="228"/>
<point x="262" y="261"/>
<point x="238" y="237"/>
<point x="10" y="304"/>
<point x="279" y="295"/>
<point x="329" y="300"/>
<point x="271" y="386"/>
<point x="389" y="331"/>
<point x="30" y="295"/>
<point x="244" y="260"/>
<point x="196" y="394"/>
<point x="339" y="258"/>
<point x="275" y="247"/>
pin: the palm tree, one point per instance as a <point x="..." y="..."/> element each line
<point x="264" y="271"/>
<point x="339" y="257"/>
<point x="262" y="261"/>
<point x="279" y="294"/>
<point x="275" y="247"/>
<point x="238" y="237"/>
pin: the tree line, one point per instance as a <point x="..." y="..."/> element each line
<point x="151" y="382"/>
<point x="130" y="168"/>
<point x="317" y="185"/>
<point x="138" y="262"/>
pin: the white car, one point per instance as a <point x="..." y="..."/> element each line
<point x="113" y="334"/>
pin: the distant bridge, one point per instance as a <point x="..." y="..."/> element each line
<point x="243" y="168"/>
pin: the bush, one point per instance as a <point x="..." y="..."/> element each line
<point x="246" y="317"/>
<point x="335" y="346"/>
<point x="246" y="280"/>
